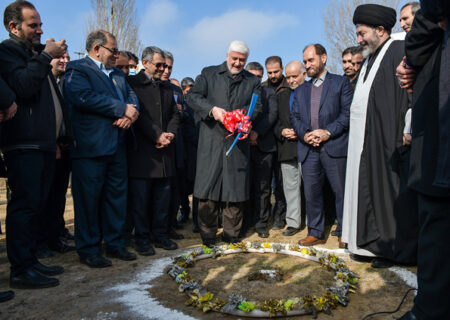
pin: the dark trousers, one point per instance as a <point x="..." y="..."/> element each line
<point x="261" y="176"/>
<point x="195" y="210"/>
<point x="433" y="268"/>
<point x="208" y="218"/>
<point x="30" y="173"/>
<point x="53" y="226"/>
<point x="149" y="205"/>
<point x="179" y="197"/>
<point x="279" y="209"/>
<point x="99" y="188"/>
<point x="316" y="166"/>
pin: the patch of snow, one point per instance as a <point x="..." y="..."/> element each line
<point x="409" y="277"/>
<point x="136" y="297"/>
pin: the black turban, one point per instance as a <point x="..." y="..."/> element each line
<point x="375" y="15"/>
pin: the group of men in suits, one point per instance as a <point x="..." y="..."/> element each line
<point x="62" y="117"/>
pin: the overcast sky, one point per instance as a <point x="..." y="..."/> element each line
<point x="198" y="32"/>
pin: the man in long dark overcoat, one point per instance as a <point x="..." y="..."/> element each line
<point x="222" y="182"/>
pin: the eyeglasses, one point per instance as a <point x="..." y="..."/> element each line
<point x="159" y="65"/>
<point x="114" y="51"/>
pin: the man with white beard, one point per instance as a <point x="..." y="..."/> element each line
<point x="222" y="182"/>
<point x="380" y="219"/>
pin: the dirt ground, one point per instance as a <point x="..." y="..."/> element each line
<point x="83" y="292"/>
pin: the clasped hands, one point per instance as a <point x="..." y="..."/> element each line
<point x="130" y="116"/>
<point x="164" y="140"/>
<point x="55" y="48"/>
<point x="9" y="113"/>
<point x="289" y="134"/>
<point x="316" y="137"/>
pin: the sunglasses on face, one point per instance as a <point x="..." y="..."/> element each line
<point x="159" y="65"/>
<point x="114" y="51"/>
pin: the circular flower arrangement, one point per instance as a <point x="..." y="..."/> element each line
<point x="345" y="282"/>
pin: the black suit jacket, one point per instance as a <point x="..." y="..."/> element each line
<point x="287" y="149"/>
<point x="158" y="114"/>
<point x="265" y="121"/>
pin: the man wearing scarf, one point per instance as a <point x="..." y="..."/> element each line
<point x="380" y="218"/>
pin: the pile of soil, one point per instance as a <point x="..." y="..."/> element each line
<point x="229" y="274"/>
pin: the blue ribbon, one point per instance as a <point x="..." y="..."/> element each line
<point x="250" y="112"/>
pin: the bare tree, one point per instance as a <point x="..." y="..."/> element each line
<point x="339" y="28"/>
<point x="118" y="17"/>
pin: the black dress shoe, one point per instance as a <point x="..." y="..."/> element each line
<point x="96" y="261"/>
<point x="263" y="233"/>
<point x="61" y="247"/>
<point x="121" y="254"/>
<point x="6" y="295"/>
<point x="31" y="279"/>
<point x="175" y="235"/>
<point x="145" y="249"/>
<point x="196" y="229"/>
<point x="290" y="231"/>
<point x="210" y="243"/>
<point x="43" y="251"/>
<point x="408" y="316"/>
<point x="166" y="244"/>
<point x="359" y="258"/>
<point x="47" y="270"/>
<point x="381" y="263"/>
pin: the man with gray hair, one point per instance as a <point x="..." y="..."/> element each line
<point x="179" y="199"/>
<point x="187" y="84"/>
<point x="407" y="13"/>
<point x="222" y="182"/>
<point x="287" y="149"/>
<point x="103" y="107"/>
<point x="152" y="163"/>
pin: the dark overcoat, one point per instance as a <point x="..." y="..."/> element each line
<point x="158" y="114"/>
<point x="423" y="52"/>
<point x="219" y="177"/>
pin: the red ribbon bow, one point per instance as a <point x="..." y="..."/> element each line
<point x="237" y="120"/>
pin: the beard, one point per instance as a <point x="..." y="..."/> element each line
<point x="370" y="46"/>
<point x="315" y="73"/>
<point x="234" y="71"/>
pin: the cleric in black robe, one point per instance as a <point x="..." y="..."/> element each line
<point x="380" y="217"/>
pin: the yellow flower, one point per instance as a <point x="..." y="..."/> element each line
<point x="207" y="297"/>
<point x="305" y="251"/>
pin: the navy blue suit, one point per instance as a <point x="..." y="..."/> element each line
<point x="99" y="167"/>
<point x="330" y="157"/>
